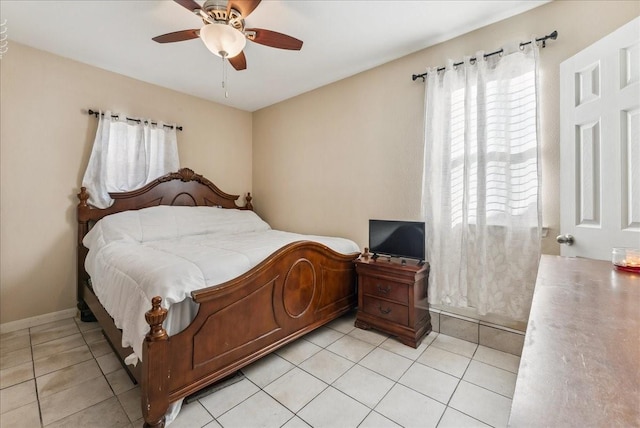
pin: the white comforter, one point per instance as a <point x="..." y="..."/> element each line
<point x="172" y="251"/>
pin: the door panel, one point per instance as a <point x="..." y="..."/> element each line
<point x="600" y="145"/>
<point x="630" y="170"/>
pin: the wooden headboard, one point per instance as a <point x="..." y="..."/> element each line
<point x="184" y="188"/>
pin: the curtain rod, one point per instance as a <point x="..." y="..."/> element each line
<point x="551" y="36"/>
<point x="115" y="116"/>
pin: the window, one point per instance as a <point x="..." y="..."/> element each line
<point x="505" y="182"/>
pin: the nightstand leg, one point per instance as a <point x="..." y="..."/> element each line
<point x="362" y="325"/>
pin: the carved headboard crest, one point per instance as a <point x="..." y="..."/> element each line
<point x="185" y="174"/>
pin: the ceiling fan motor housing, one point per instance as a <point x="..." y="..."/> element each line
<point x="217" y="11"/>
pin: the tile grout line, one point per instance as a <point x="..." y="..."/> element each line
<point x="328" y="385"/>
<point x="413" y="362"/>
<point x="396" y="382"/>
<point x="460" y="380"/>
<point x="456" y="388"/>
<point x="102" y="374"/>
<point x="35" y="380"/>
<point x="78" y="363"/>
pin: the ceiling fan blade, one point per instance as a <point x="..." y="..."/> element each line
<point x="188" y="4"/>
<point x="273" y="39"/>
<point x="239" y="62"/>
<point x="245" y="7"/>
<point x="177" y="36"/>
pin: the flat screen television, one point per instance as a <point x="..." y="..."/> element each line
<point x="397" y="238"/>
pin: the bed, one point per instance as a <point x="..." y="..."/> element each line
<point x="299" y="287"/>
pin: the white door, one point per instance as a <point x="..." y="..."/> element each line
<point x="600" y="145"/>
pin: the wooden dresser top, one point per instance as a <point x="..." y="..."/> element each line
<point x="580" y="363"/>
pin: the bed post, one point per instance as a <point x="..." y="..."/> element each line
<point x="82" y="277"/>
<point x="155" y="370"/>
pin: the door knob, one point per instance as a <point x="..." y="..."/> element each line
<point x="565" y="239"/>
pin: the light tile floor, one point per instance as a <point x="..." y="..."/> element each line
<point x="64" y="374"/>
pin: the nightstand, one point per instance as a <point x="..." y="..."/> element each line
<point x="392" y="297"/>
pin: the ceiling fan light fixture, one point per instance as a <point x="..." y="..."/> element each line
<point x="223" y="40"/>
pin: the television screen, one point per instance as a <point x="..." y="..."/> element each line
<point x="397" y="238"/>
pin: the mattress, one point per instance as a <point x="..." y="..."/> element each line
<point x="171" y="251"/>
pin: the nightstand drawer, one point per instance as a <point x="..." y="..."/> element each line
<point x="387" y="289"/>
<point x="393" y="312"/>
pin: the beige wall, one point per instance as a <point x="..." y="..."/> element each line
<point x="329" y="160"/>
<point x="45" y="144"/>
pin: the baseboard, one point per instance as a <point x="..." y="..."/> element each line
<point x="37" y="320"/>
<point x="472" y="330"/>
<point x="471" y="315"/>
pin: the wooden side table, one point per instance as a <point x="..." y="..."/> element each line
<point x="392" y="297"/>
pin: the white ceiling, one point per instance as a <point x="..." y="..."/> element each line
<point x="341" y="38"/>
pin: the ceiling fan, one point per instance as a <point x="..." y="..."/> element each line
<point x="224" y="32"/>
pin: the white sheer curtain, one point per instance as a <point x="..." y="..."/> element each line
<point x="481" y="190"/>
<point x="127" y="155"/>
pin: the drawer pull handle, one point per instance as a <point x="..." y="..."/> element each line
<point x="384" y="290"/>
<point x="384" y="311"/>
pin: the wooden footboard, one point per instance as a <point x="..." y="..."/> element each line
<point x="301" y="287"/>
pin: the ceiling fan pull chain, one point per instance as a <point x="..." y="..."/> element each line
<point x="224" y="76"/>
